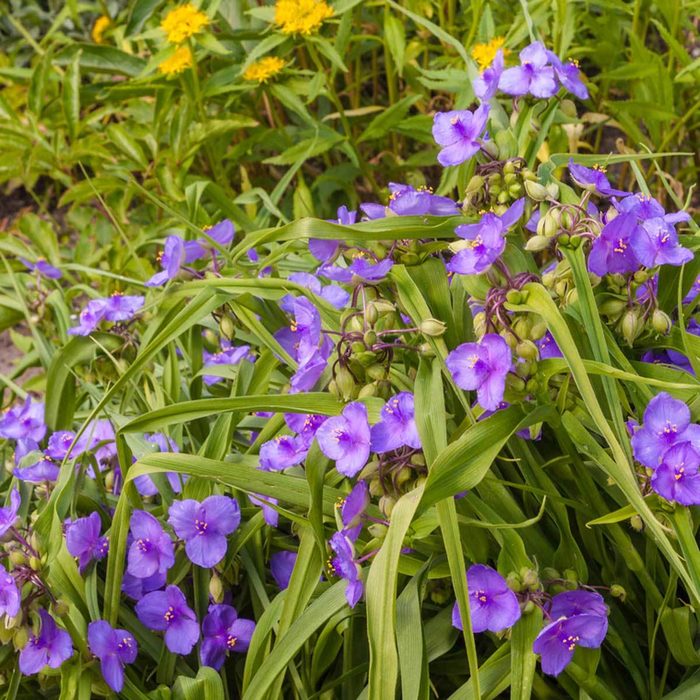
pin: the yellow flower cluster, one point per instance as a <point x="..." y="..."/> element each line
<point x="99" y="28"/>
<point x="264" y="69"/>
<point x="179" y="61"/>
<point x="183" y="22"/>
<point x="301" y="16"/>
<point x="484" y="54"/>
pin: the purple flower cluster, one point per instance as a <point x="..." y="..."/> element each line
<point x="116" y="309"/>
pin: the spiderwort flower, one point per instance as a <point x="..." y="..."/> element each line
<point x="25" y="422"/>
<point x="8" y="514"/>
<point x="482" y="366"/>
<point x="229" y="355"/>
<point x="136" y="588"/>
<point x="44" y="469"/>
<point x="677" y="478"/>
<point x="223" y="632"/>
<point x="323" y="249"/>
<point x="533" y="75"/>
<point x="282" y="452"/>
<point x="270" y="515"/>
<point x="486" y="85"/>
<point x="152" y="551"/>
<point x="343" y="564"/>
<point x="84" y="542"/>
<point x="548" y="347"/>
<point x="167" y="611"/>
<point x="332" y="293"/>
<point x="484" y="240"/>
<point x="352" y="508"/>
<point x="592" y="179"/>
<point x="346" y="439"/>
<point x="666" y="423"/>
<point x="361" y="270"/>
<point x="655" y="242"/>
<point x="115" y="648"/>
<point x="10" y="598"/>
<point x="51" y="647"/>
<point x="171" y="260"/>
<point x="397" y="426"/>
<point x="611" y="252"/>
<point x="204" y="527"/>
<point x="557" y="641"/>
<point x="569" y="75"/>
<point x="578" y="602"/>
<point x="59" y="444"/>
<point x="305" y="424"/>
<point x="281" y="567"/>
<point x="405" y="200"/>
<point x="459" y="133"/>
<point x="118" y="307"/>
<point x="492" y="604"/>
<point x="43" y="268"/>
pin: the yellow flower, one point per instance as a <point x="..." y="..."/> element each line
<point x="264" y="69"/>
<point x="99" y="28"/>
<point x="183" y="22"/>
<point x="301" y="16"/>
<point x="179" y="61"/>
<point x="483" y="54"/>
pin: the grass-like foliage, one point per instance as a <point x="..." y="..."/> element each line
<point x="349" y="350"/>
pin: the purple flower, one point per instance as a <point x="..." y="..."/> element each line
<point x="43" y="268"/>
<point x="10" y="598"/>
<point x="144" y="484"/>
<point x="492" y="604"/>
<point x="171" y="260"/>
<point x="592" y="179"/>
<point x="324" y="250"/>
<point x="270" y="515"/>
<point x="305" y="424"/>
<point x="24" y="422"/>
<point x="485" y="240"/>
<point x="346" y="439"/>
<point x="116" y="308"/>
<point x="405" y="200"/>
<point x="360" y="270"/>
<point x="569" y="75"/>
<point x="44" y="469"/>
<point x="482" y="366"/>
<point x="136" y="588"/>
<point x="281" y="567"/>
<point x="83" y="540"/>
<point x="343" y="564"/>
<point x="114" y="648"/>
<point x="311" y="367"/>
<point x="50" y="648"/>
<point x="666" y="423"/>
<point x="579" y="602"/>
<point x="397" y="426"/>
<point x="352" y="508"/>
<point x="486" y="85"/>
<point x="645" y="207"/>
<point x="167" y="611"/>
<point x="204" y="526"/>
<point x="223" y="632"/>
<point x="459" y="133"/>
<point x="677" y="478"/>
<point x="59" y="444"/>
<point x="548" y="347"/>
<point x="302" y="336"/>
<point x="332" y="293"/>
<point x="230" y="355"/>
<point x="282" y="452"/>
<point x="221" y="233"/>
<point x="151" y="551"/>
<point x="612" y="252"/>
<point x="533" y="75"/>
<point x="8" y="514"/>
<point x="655" y="242"/>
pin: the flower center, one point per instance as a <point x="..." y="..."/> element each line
<point x="669" y="429"/>
<point x="472" y="360"/>
<point x="201" y="526"/>
<point x="481" y="596"/>
<point x="169" y="614"/>
<point x="621" y="246"/>
<point x="570" y="641"/>
<point x="144" y="545"/>
<point x="231" y="641"/>
<point x="679" y="474"/>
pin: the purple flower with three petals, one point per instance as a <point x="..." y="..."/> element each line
<point x="533" y="75"/>
<point x="486" y="85"/>
<point x="361" y="270"/>
<point x="405" y="200"/>
<point x="167" y="611"/>
<point x="612" y="252"/>
<point x="115" y="648"/>
<point x="43" y="268"/>
<point x="548" y="347"/>
<point x="25" y="422"/>
<point x="666" y="423"/>
<point x="171" y="260"/>
<point x="324" y="250"/>
<point x="492" y="604"/>
<point x="10" y="598"/>
<point x="569" y="75"/>
<point x="8" y="514"/>
<point x="484" y="240"/>
<point x="144" y="484"/>
<point x="282" y="452"/>
<point x="346" y="439"/>
<point x="459" y="132"/>
<point x="592" y="179"/>
<point x="59" y="444"/>
<point x="51" y="647"/>
<point x="352" y="509"/>
<point x="43" y="469"/>
<point x="655" y="242"/>
<point x="332" y="293"/>
<point x="223" y="632"/>
<point x="677" y="478"/>
<point x="305" y="424"/>
<point x="482" y="366"/>
<point x="204" y="527"/>
<point x="83" y="540"/>
<point x="281" y="567"/>
<point x="645" y="207"/>
<point x="136" y="588"/>
<point x="151" y="551"/>
<point x="343" y="564"/>
<point x="116" y="308"/>
<point x="228" y="356"/>
<point x="397" y="426"/>
<point x="578" y="602"/>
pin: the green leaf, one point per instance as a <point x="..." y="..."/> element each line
<point x="71" y="96"/>
<point x="384" y="122"/>
<point x="207" y="685"/>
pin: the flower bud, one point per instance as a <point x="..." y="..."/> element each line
<point x="371" y="314"/>
<point x="630" y="326"/>
<point x="509" y="338"/>
<point x="345" y="383"/>
<point x="514" y="582"/>
<point x="613" y="307"/>
<point x="617" y="591"/>
<point x="60" y="607"/>
<point x="661" y="322"/>
<point x="525" y="368"/>
<point x="514" y="296"/>
<point x="376" y="371"/>
<point x="426" y="350"/>
<point x="537" y="243"/>
<point x="432" y="327"/>
<point x="386" y="505"/>
<point x="369" y="470"/>
<point x="491" y="148"/>
<point x="461" y="244"/>
<point x="227" y="326"/>
<point x="529" y="607"/>
<point x="404" y="475"/>
<point x="527" y="350"/>
<point x="378" y="530"/>
<point x="369" y="338"/>
<point x="476" y="184"/>
<point x="515" y="383"/>
<point x="479" y="324"/>
<point x="20" y="638"/>
<point x="529" y="578"/>
<point x="552" y="190"/>
<point x="509" y="168"/>
<point x="549" y="573"/>
<point x="17" y="558"/>
<point x="216" y="588"/>
<point x="503" y="197"/>
<point x="641" y="276"/>
<point x="367" y="391"/>
<point x="636" y="522"/>
<point x="539" y="328"/>
<point x="535" y="190"/>
<point x="571" y="576"/>
<point x="34" y="563"/>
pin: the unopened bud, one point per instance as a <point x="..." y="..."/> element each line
<point x="549" y="573"/>
<point x="613" y="307"/>
<point x="227" y="326"/>
<point x="369" y="338"/>
<point x="17" y="558"/>
<point x="552" y="190"/>
<point x="490" y="147"/>
<point x="34" y="563"/>
<point x="345" y="383"/>
<point x="216" y="589"/>
<point x="378" y="530"/>
<point x="376" y="372"/>
<point x="426" y="350"/>
<point x="369" y="470"/>
<point x="20" y="638"/>
<point x="514" y="296"/>
<point x="617" y="591"/>
<point x="479" y="324"/>
<point x="371" y="314"/>
<point x="61" y="607"/>
<point x="476" y="184"/>
<point x="386" y="505"/>
<point x="636" y="523"/>
<point x="527" y="350"/>
<point x="529" y="578"/>
<point x="367" y="390"/>
<point x="432" y="327"/>
<point x="539" y="328"/>
<point x="515" y="383"/>
<point x="630" y="326"/>
<point x="537" y="243"/>
<point x="571" y="575"/>
<point x="661" y="322"/>
<point x="535" y="190"/>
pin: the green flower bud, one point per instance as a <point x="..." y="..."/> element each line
<point x="515" y="383"/>
<point x="552" y="190"/>
<point x="476" y="184"/>
<point x="426" y="350"/>
<point x="432" y="327"/>
<point x="527" y="350"/>
<point x="515" y="190"/>
<point x="367" y="391"/>
<point x="17" y="558"/>
<point x="378" y="531"/>
<point x="539" y="328"/>
<point x="631" y="326"/>
<point x="549" y="573"/>
<point x="479" y="324"/>
<point x="613" y="307"/>
<point x="563" y="240"/>
<point x="509" y="168"/>
<point x="537" y="243"/>
<point x="369" y="338"/>
<point x="386" y="505"/>
<point x="34" y="563"/>
<point x="376" y="488"/>
<point x="514" y="296"/>
<point x="404" y="475"/>
<point x="617" y="591"/>
<point x="549" y="279"/>
<point x="369" y="470"/>
<point x="410" y="259"/>
<point x="20" y="638"/>
<point x="661" y="322"/>
<point x="535" y="190"/>
<point x="514" y="582"/>
<point x="509" y="178"/>
<point x="227" y="326"/>
<point x="636" y="523"/>
<point x="503" y="197"/>
<point x="345" y="383"/>
<point x="61" y="607"/>
<point x="216" y="588"/>
<point x="491" y="148"/>
<point x="371" y="314"/>
<point x="641" y="276"/>
<point x="376" y="372"/>
<point x="509" y="338"/>
<point x="529" y="578"/>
